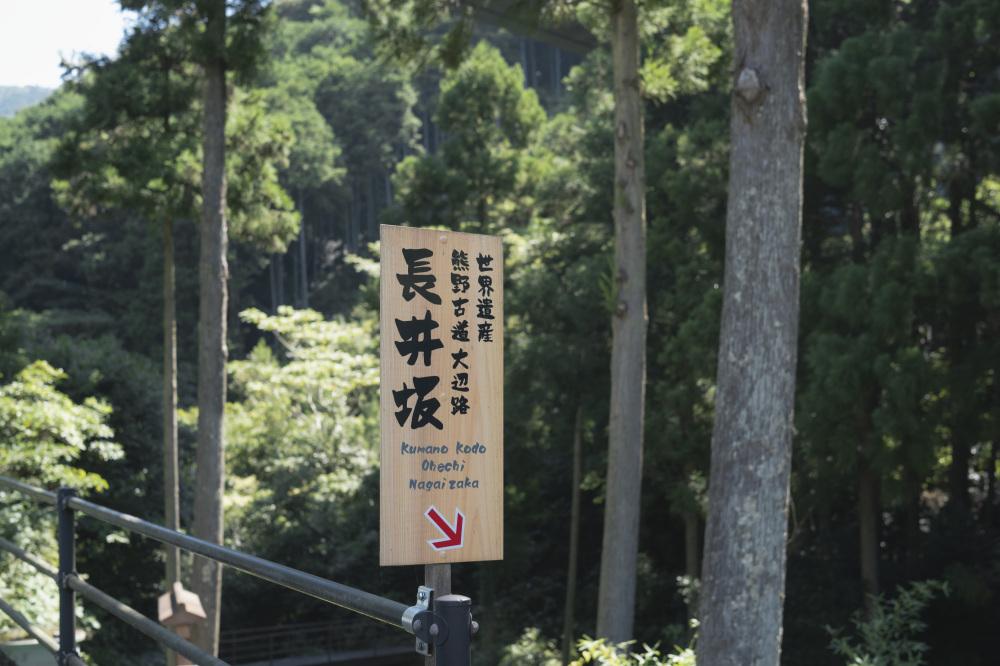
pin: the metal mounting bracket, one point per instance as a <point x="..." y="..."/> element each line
<point x="415" y="618"/>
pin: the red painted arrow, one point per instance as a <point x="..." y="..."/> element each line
<point x="453" y="535"/>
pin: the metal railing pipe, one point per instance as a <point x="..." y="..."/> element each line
<point x="139" y="621"/>
<point x="37" y="633"/>
<point x="385" y="610"/>
<point x="38" y="493"/>
<point x="40" y="564"/>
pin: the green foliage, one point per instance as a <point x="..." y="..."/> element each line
<point x="142" y="152"/>
<point x="887" y="636"/>
<point x="484" y="172"/>
<point x="305" y="427"/>
<point x="323" y="392"/>
<point x="600" y="652"/>
<point x="44" y="431"/>
<point x="15" y="98"/>
<point x="32" y="229"/>
<point x="900" y="297"/>
<point x="687" y="47"/>
<point x="531" y="649"/>
<point x="248" y="23"/>
<point x="259" y="211"/>
<point x="424" y="33"/>
<point x="44" y="434"/>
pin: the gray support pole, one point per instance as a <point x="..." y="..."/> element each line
<point x="67" y="569"/>
<point x="456" y="611"/>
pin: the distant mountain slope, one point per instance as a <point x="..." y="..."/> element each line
<point x="14" y="98"/>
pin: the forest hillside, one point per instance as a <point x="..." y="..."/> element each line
<point x="895" y="472"/>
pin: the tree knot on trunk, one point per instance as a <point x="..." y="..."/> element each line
<point x="749" y="86"/>
<point x="622" y="130"/>
<point x="621" y="309"/>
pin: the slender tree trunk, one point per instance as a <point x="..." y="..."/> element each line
<point x="212" y="352"/>
<point x="488" y="641"/>
<point x="913" y="530"/>
<point x="574" y="536"/>
<point x="281" y="279"/>
<point x="868" y="530"/>
<point x="558" y="68"/>
<point x="274" y="284"/>
<point x="303" y="264"/>
<point x="524" y="60"/>
<point x="371" y="231"/>
<point x="958" y="481"/>
<point x="620" y="546"/>
<point x="171" y="486"/>
<point x="743" y="577"/>
<point x="692" y="556"/>
<point x="989" y="506"/>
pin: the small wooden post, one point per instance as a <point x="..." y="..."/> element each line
<point x="180" y="609"/>
<point x="438" y="577"/>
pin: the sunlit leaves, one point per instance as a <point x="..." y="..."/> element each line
<point x="313" y="414"/>
<point x="43" y="431"/>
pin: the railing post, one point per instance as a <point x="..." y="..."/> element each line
<point x="67" y="567"/>
<point x="456" y="611"/>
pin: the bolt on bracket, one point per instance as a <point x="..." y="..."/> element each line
<point x="415" y="619"/>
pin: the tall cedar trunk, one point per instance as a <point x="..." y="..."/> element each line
<point x="616" y="594"/>
<point x="574" y="535"/>
<point x="743" y="580"/>
<point x="212" y="352"/>
<point x="171" y="486"/>
<point x="868" y="533"/>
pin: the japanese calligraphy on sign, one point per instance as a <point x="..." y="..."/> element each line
<point x="441" y="397"/>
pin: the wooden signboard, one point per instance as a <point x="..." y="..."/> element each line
<point x="441" y="397"/>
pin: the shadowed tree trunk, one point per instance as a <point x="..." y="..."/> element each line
<point x="212" y="351"/>
<point x="743" y="577"/>
<point x="574" y="535"/>
<point x="868" y="523"/>
<point x="989" y="506"/>
<point x="171" y="486"/>
<point x="303" y="264"/>
<point x="620" y="545"/>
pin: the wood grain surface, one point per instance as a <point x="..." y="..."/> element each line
<point x="435" y="458"/>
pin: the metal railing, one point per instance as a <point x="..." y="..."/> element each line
<point x="445" y="623"/>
